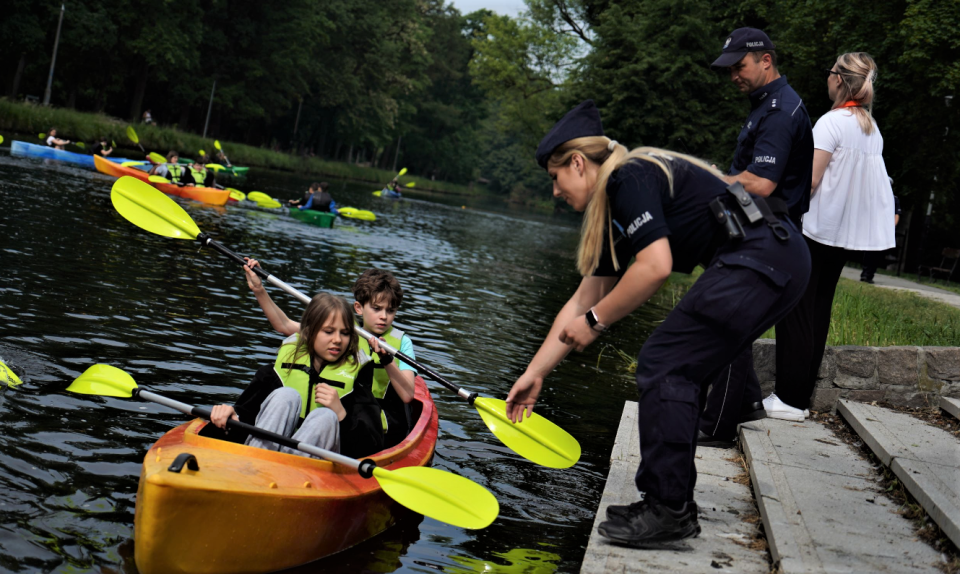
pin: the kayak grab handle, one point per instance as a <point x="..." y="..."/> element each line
<point x="184" y="458"/>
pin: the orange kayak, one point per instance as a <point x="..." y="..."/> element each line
<point x="201" y="194"/>
<point x="252" y="510"/>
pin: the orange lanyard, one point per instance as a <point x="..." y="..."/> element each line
<point x="850" y="104"/>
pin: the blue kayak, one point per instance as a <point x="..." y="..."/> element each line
<point x="24" y="149"/>
<point x="387" y="192"/>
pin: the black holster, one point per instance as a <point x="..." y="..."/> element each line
<point x="741" y="209"/>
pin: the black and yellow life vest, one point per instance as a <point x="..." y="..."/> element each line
<point x="301" y="376"/>
<point x="174" y="172"/>
<point x="199" y="176"/>
<point x="381" y="380"/>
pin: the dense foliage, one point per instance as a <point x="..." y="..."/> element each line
<point x="468" y="96"/>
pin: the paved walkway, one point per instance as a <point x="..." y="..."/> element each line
<point x="904" y="284"/>
<point x="726" y="543"/>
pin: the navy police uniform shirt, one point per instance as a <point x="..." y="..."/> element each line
<point x="643" y="211"/>
<point x="776" y="143"/>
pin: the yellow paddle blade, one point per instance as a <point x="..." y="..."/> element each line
<point x="6" y="373"/>
<point x="202" y="153"/>
<point x="402" y="171"/>
<point x="258" y="196"/>
<point x="272" y="204"/>
<point x="104" y="380"/>
<point x="411" y="184"/>
<point x="81" y="145"/>
<point x="148" y="208"/>
<point x="42" y="136"/>
<point x="215" y="166"/>
<point x="535" y="438"/>
<point x="216" y="144"/>
<point x="1" y="139"/>
<point x="236" y="194"/>
<point x="440" y="495"/>
<point x="378" y="193"/>
<point x="132" y="135"/>
<point x="354" y="213"/>
<point x="131" y="163"/>
<point x="158" y="179"/>
<point x="156" y="158"/>
<point x="113" y="143"/>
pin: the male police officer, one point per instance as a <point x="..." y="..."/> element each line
<point x="774" y="159"/>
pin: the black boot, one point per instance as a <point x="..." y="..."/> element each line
<point x="651" y="521"/>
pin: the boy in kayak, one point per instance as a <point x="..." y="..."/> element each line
<point x="103" y="147"/>
<point x="318" y="391"/>
<point x="198" y="175"/>
<point x="55" y="142"/>
<point x="378" y="295"/>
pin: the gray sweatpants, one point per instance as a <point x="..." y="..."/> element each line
<point x="279" y="413"/>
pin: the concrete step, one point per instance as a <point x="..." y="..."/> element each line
<point x="821" y="505"/>
<point x="926" y="459"/>
<point x="952" y="406"/>
<point x="724" y="545"/>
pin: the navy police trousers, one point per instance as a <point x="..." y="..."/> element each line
<point x="749" y="285"/>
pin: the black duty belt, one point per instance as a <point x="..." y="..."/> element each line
<point x="739" y="209"/>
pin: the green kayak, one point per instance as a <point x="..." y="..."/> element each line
<point x="318" y="218"/>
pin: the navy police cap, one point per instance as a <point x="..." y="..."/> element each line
<point x="739" y="42"/>
<point x="581" y="121"/>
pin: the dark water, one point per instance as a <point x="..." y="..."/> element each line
<point x="80" y="285"/>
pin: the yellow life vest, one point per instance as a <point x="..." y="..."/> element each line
<point x="301" y="376"/>
<point x="381" y="380"/>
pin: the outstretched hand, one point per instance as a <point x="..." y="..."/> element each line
<point x="523" y="396"/>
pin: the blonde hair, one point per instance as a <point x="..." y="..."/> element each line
<point x="858" y="71"/>
<point x="610" y="156"/>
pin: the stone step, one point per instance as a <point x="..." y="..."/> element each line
<point x="821" y="504"/>
<point x="952" y="406"/>
<point x="926" y="459"/>
<point x="724" y="544"/>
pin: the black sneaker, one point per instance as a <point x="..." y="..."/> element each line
<point x="649" y="521"/>
<point x="623" y="511"/>
<point x="703" y="439"/>
<point x="756" y="413"/>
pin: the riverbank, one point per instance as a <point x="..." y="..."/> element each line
<point x="86" y="127"/>
<point x="874" y="316"/>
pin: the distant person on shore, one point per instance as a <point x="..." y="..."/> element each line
<point x="103" y="147"/>
<point x="55" y="142"/>
<point x="148" y="118"/>
<point x="171" y="170"/>
<point x="873" y="259"/>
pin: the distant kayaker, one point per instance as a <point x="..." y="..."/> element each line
<point x="378" y="295"/>
<point x="320" y="199"/>
<point x="319" y="389"/>
<point x="55" y="142"/>
<point x="171" y="170"/>
<point x="102" y="147"/>
<point x="221" y="158"/>
<point x="306" y="195"/>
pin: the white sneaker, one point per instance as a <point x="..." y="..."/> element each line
<point x="777" y="409"/>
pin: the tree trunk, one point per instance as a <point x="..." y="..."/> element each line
<point x="336" y="151"/>
<point x="137" y="102"/>
<point x="184" y="117"/>
<point x="350" y="153"/>
<point x="18" y="75"/>
<point x="72" y="98"/>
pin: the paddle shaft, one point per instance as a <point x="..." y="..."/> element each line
<point x="204" y="412"/>
<point x="206" y="241"/>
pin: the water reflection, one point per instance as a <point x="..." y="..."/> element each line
<point x="81" y="285"/>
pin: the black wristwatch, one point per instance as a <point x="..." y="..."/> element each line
<point x="595" y="323"/>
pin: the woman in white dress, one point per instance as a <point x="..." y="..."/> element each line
<point x="851" y="209"/>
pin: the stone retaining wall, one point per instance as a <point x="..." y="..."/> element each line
<point x="909" y="376"/>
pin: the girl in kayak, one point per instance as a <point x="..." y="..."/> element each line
<point x="55" y="142"/>
<point x="318" y="391"/>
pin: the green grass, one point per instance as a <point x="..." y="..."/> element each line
<point x="868" y="316"/>
<point x="81" y="126"/>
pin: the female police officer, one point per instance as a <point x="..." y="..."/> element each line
<point x="671" y="212"/>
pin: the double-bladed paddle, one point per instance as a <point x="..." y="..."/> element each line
<point x="441" y="495"/>
<point x="6" y="373"/>
<point x="536" y="438"/>
<point x="132" y="134"/>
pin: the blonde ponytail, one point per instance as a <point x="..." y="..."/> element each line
<point x="610" y="156"/>
<point x="858" y="71"/>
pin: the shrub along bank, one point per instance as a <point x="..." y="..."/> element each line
<point x="86" y="127"/>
